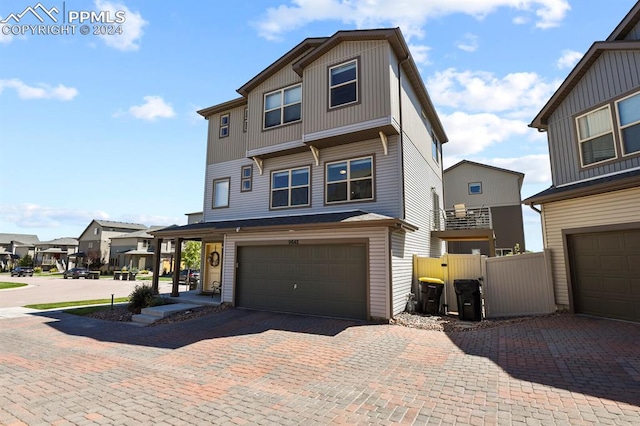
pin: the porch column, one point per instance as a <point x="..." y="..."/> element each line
<point x="156" y="266"/>
<point x="176" y="269"/>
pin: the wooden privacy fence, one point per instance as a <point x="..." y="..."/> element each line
<point x="511" y="285"/>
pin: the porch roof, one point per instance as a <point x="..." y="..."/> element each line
<point x="139" y="252"/>
<point x="353" y="218"/>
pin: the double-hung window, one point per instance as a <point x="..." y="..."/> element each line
<point x="350" y="180"/>
<point x="595" y="136"/>
<point x="224" y="125"/>
<point x="283" y="106"/>
<point x="343" y="84"/>
<point x="220" y="193"/>
<point x="290" y="188"/>
<point x="629" y="122"/>
<point x="246" y="179"/>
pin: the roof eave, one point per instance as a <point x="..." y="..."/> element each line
<point x="595" y="189"/>
<point x="234" y="103"/>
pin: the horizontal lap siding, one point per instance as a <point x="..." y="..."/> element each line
<point x="604" y="209"/>
<point x="232" y="147"/>
<point x="378" y="264"/>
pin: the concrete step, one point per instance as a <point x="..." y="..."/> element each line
<point x="166" y="310"/>
<point x="144" y="319"/>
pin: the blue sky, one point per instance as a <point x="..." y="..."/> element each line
<point x="104" y="127"/>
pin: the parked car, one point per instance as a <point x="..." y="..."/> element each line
<point x="22" y="271"/>
<point x="193" y="274"/>
<point x="76" y="273"/>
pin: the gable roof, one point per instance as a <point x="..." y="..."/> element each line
<point x="615" y="42"/>
<point x="139" y="234"/>
<point x="19" y="238"/>
<point x="114" y="224"/>
<point x="60" y="242"/>
<point x="473" y="163"/>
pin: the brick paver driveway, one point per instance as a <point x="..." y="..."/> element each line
<point x="250" y="367"/>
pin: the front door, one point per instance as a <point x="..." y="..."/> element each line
<point x="212" y="276"/>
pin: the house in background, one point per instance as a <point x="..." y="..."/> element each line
<point x="95" y="240"/>
<point x="16" y="246"/>
<point x="135" y="250"/>
<point x="55" y="253"/>
<point x="483" y="210"/>
<point x="591" y="213"/>
<point x="194" y="217"/>
<point x="322" y="181"/>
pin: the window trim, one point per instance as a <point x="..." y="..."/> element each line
<point x="348" y="180"/>
<point x="474" y="183"/>
<point x="281" y="107"/>
<point x="358" y="88"/>
<point x="580" y="142"/>
<point x="289" y="206"/>
<point x="249" y="178"/>
<point x="213" y="192"/>
<point x="245" y="122"/>
<point x="435" y="146"/>
<point x="620" y="127"/>
<point x="224" y="125"/>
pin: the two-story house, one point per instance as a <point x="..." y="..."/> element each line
<point x="16" y="246"/>
<point x="135" y="250"/>
<point x="95" y="241"/>
<point x="321" y="181"/>
<point x="591" y="213"/>
<point x="483" y="210"/>
<point x="55" y="253"/>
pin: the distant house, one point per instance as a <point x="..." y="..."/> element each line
<point x="479" y="197"/>
<point x="323" y="179"/>
<point x="55" y="253"/>
<point x="591" y="213"/>
<point x="194" y="217"/>
<point x="135" y="250"/>
<point x="95" y="240"/>
<point x="16" y="246"/>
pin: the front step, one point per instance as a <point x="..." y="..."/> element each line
<point x="153" y="314"/>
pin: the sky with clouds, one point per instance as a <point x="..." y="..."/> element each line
<point x="103" y="125"/>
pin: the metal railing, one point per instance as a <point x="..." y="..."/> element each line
<point x="470" y="218"/>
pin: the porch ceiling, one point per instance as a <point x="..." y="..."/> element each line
<point x="465" y="235"/>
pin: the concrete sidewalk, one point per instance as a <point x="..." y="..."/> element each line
<point x="247" y="367"/>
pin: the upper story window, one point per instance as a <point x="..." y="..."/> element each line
<point x="435" y="148"/>
<point x="350" y="180"/>
<point x="246" y="179"/>
<point x="96" y="230"/>
<point x="220" y="193"/>
<point x="290" y="188"/>
<point x="475" y="188"/>
<point x="343" y="84"/>
<point x="245" y="123"/>
<point x="629" y="121"/>
<point x="595" y="136"/>
<point x="283" y="106"/>
<point x="224" y="125"/>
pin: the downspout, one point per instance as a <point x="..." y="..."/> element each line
<point x="535" y="209"/>
<point x="402" y="189"/>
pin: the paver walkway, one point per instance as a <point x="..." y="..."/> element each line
<point x="247" y="367"/>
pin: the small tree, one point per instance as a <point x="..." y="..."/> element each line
<point x="191" y="254"/>
<point x="26" y="261"/>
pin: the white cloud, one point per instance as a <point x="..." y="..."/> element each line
<point x="536" y="167"/>
<point x="410" y="15"/>
<point x="420" y="54"/>
<point x="41" y="91"/>
<point x="568" y="59"/>
<point x="132" y="28"/>
<point x="35" y="216"/>
<point x="519" y="94"/>
<point x="469" y="43"/>
<point x="154" y="107"/>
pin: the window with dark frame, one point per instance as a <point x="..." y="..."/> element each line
<point x="283" y="106"/>
<point x="245" y="123"/>
<point x="435" y="148"/>
<point x="349" y="180"/>
<point x="628" y="110"/>
<point x="475" y="188"/>
<point x="220" y="193"/>
<point x="343" y="84"/>
<point x="290" y="188"/>
<point x="224" y="125"/>
<point x="246" y="179"/>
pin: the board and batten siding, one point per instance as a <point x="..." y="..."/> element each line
<point x="255" y="203"/>
<point x="373" y="87"/>
<point x="612" y="75"/>
<point x="378" y="260"/>
<point x="603" y="209"/>
<point x="634" y="34"/>
<point x="498" y="188"/>
<point x="232" y="147"/>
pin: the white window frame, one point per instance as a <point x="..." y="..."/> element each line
<point x="224" y="125"/>
<point x="581" y="140"/>
<point x="348" y="180"/>
<point x="247" y="178"/>
<point x="281" y="107"/>
<point x="475" y="184"/>
<point x="213" y="193"/>
<point x="290" y="187"/>
<point x="355" y="61"/>
<point x="621" y="127"/>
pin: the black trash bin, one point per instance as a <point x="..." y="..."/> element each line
<point x="469" y="299"/>
<point x="431" y="292"/>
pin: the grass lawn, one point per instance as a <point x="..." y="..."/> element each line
<point x="4" y="285"/>
<point x="78" y="303"/>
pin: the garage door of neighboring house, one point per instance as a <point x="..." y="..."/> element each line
<point x="327" y="280"/>
<point x="605" y="272"/>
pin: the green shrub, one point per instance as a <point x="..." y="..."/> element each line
<point x="141" y="297"/>
<point x="52" y="270"/>
<point x="144" y="272"/>
<point x="37" y="270"/>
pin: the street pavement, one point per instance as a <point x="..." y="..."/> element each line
<point x="249" y="367"/>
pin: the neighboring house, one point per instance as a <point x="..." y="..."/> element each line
<point x="95" y="240"/>
<point x="194" y="217"/>
<point x="322" y="181"/>
<point x="55" y="253"/>
<point x="135" y="250"/>
<point x="591" y="213"/>
<point x="484" y="200"/>
<point x="17" y="246"/>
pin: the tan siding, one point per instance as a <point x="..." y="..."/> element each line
<point x="498" y="188"/>
<point x="231" y="147"/>
<point x="373" y="84"/>
<point x="604" y="209"/>
<point x="378" y="269"/>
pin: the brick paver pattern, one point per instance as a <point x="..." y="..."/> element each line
<point x="248" y="367"/>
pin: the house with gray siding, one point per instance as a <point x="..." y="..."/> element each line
<point x="591" y="213"/>
<point x="321" y="181"/>
<point x="94" y="243"/>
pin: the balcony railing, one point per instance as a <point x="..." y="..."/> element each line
<point x="467" y="218"/>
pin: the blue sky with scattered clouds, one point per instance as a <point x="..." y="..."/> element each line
<point x="102" y="126"/>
